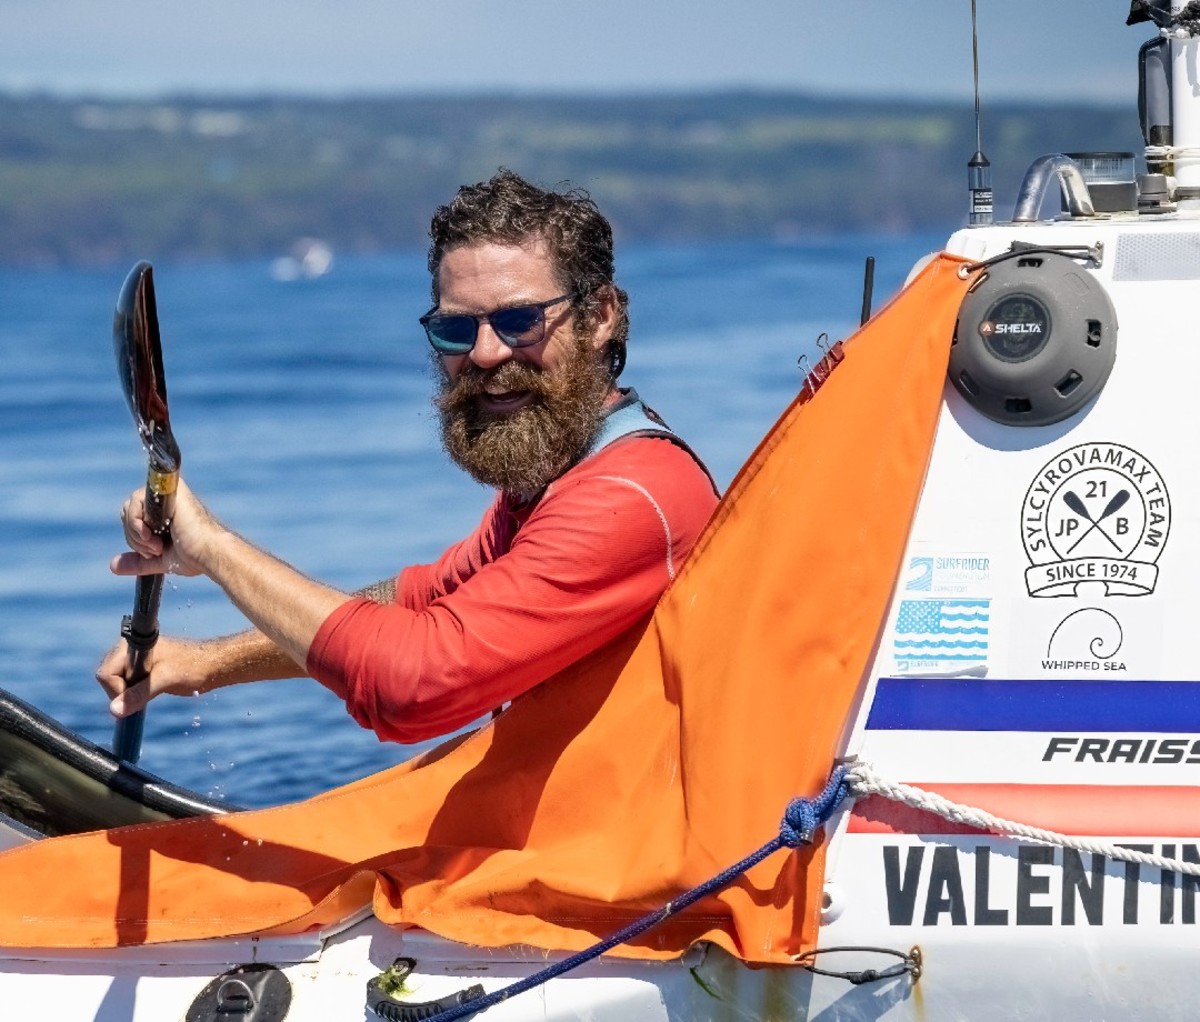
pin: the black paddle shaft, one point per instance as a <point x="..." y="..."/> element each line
<point x="138" y="351"/>
<point x="140" y="629"/>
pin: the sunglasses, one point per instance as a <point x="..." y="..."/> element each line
<point x="518" y="327"/>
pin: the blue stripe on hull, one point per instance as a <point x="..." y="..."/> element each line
<point x="967" y="704"/>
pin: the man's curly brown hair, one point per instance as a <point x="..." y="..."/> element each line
<point x="509" y="210"/>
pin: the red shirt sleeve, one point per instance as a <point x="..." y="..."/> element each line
<point x="418" y="585"/>
<point x="488" y="621"/>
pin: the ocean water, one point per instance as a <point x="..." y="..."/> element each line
<point x="302" y="411"/>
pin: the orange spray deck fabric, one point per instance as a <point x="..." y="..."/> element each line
<point x="632" y="776"/>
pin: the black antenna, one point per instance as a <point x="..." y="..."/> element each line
<point x="979" y="170"/>
<point x="868" y="289"/>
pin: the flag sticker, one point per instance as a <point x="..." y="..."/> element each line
<point x="941" y="636"/>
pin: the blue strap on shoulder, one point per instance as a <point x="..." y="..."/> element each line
<point x="632" y="417"/>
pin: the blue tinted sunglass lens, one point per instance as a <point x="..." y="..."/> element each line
<point x="452" y="334"/>
<point x="519" y="326"/>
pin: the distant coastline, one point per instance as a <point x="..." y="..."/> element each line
<point x="102" y="181"/>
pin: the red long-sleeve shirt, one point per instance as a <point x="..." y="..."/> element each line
<point x="527" y="593"/>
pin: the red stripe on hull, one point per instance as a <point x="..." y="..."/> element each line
<point x="1127" y="811"/>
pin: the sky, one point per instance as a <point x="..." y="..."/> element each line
<point x="1029" y="49"/>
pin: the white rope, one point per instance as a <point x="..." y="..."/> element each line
<point x="1170" y="152"/>
<point x="863" y="780"/>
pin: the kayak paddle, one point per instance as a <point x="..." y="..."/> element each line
<point x="140" y="368"/>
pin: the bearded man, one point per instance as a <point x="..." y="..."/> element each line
<point x="598" y="501"/>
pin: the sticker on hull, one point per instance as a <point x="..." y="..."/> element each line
<point x="941" y="636"/>
<point x="1095" y="513"/>
<point x="948" y="575"/>
<point x="1085" y="640"/>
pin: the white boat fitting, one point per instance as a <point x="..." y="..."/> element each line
<point x="1023" y="747"/>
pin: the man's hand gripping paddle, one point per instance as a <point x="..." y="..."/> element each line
<point x="140" y="367"/>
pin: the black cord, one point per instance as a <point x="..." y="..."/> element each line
<point x="909" y="964"/>
<point x="1019" y="249"/>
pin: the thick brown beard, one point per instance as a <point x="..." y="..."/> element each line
<point x="522" y="452"/>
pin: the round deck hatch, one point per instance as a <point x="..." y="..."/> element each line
<point x="1036" y="339"/>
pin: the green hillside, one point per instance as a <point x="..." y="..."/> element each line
<point x="99" y="181"/>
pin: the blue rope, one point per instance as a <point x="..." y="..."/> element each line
<point x="800" y="821"/>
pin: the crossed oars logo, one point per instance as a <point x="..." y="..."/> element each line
<point x="1115" y="503"/>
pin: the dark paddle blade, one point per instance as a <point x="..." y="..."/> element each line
<point x="138" y="351"/>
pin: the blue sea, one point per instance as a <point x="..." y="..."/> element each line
<point x="302" y="410"/>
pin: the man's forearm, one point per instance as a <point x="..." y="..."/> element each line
<point x="252" y="656"/>
<point x="287" y="607"/>
<point x="246" y="656"/>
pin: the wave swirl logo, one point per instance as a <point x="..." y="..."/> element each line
<point x="1096" y="513"/>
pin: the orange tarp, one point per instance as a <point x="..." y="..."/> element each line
<point x="625" y="780"/>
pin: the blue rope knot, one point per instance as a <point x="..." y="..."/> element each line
<point x="804" y="815"/>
